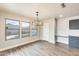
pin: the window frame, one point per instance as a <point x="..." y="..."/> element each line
<point x="18" y="29"/>
<point x="34" y="29"/>
<point x="21" y="28"/>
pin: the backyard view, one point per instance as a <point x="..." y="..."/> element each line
<point x="25" y="29"/>
<point x="34" y="31"/>
<point x="12" y="29"/>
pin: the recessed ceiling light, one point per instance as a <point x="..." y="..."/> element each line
<point x="60" y="15"/>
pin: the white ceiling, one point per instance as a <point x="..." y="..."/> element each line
<point x="46" y="10"/>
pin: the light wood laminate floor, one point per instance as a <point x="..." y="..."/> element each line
<point x="41" y="48"/>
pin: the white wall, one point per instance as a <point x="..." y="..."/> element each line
<point x="49" y="30"/>
<point x="63" y="30"/>
<point x="46" y="31"/>
<point x="16" y="42"/>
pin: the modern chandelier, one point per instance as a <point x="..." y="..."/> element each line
<point x="37" y="21"/>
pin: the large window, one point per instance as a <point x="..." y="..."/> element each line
<point x="12" y="29"/>
<point x="25" y="29"/>
<point x="34" y="30"/>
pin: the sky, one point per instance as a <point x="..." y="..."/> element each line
<point x="14" y="22"/>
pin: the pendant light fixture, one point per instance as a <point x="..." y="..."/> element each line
<point x="37" y="21"/>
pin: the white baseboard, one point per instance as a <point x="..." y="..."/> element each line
<point x="3" y="49"/>
<point x="63" y="40"/>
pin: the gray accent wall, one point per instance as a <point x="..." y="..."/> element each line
<point x="67" y="30"/>
<point x="74" y="36"/>
<point x="73" y="41"/>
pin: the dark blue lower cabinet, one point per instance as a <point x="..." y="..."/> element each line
<point x="73" y="42"/>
